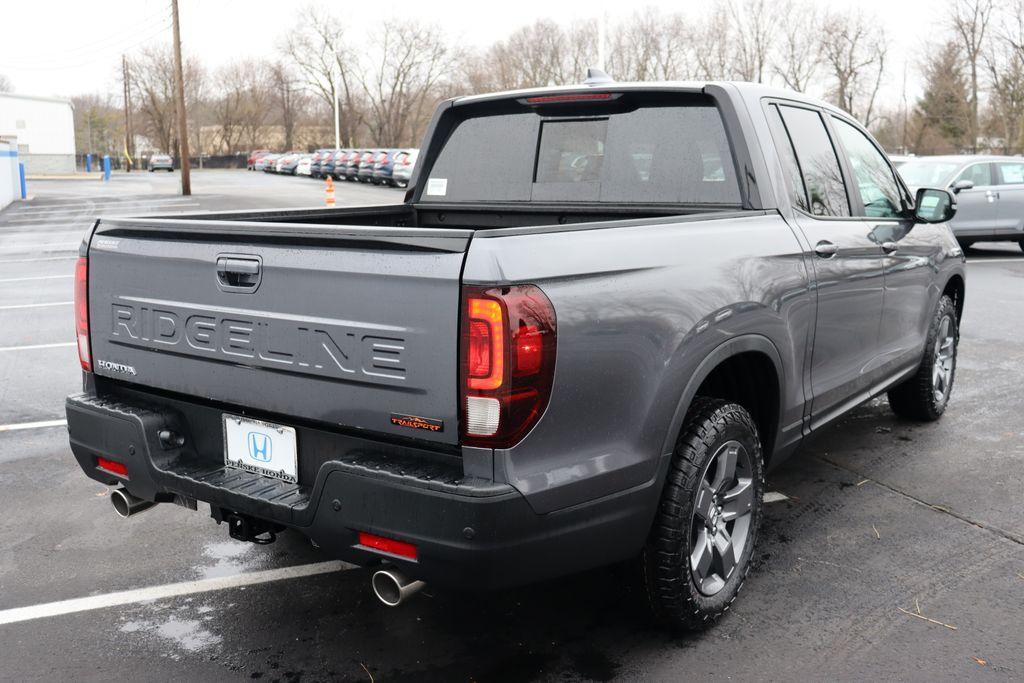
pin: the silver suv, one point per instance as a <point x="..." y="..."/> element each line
<point x="989" y="193"/>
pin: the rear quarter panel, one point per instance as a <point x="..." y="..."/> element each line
<point x="639" y="308"/>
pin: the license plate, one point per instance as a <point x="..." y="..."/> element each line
<point x="261" y="447"/>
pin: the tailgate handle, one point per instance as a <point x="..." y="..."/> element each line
<point x="237" y="274"/>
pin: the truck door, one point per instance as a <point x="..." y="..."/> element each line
<point x="912" y="252"/>
<point x="846" y="259"/>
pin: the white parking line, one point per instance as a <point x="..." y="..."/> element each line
<point x="110" y="204"/>
<point x="33" y="260"/>
<point x="775" y="497"/>
<point x="171" y="590"/>
<point x="33" y="347"/>
<point x="18" y="426"/>
<point x="36" y="277"/>
<point x="13" y="307"/>
<point x="45" y="247"/>
<point x="995" y="260"/>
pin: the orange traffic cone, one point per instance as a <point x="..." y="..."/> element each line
<point x="330" y="191"/>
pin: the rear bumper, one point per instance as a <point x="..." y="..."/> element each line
<point x="469" y="533"/>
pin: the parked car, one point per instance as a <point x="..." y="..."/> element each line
<point x="161" y="162"/>
<point x="315" y="164"/>
<point x="534" y="367"/>
<point x="900" y="159"/>
<point x="327" y="165"/>
<point x="989" y="194"/>
<point x="288" y="163"/>
<point x="383" y="167"/>
<point x="267" y="163"/>
<point x="349" y="168"/>
<point x="253" y="157"/>
<point x="364" y="172"/>
<point x="403" y="166"/>
<point x="304" y="165"/>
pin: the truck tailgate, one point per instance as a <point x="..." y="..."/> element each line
<point x="351" y="326"/>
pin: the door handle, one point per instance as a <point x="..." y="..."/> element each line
<point x="826" y="249"/>
<point x="238" y="274"/>
<point x="889" y="247"/>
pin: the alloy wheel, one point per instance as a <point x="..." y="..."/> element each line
<point x="720" y="524"/>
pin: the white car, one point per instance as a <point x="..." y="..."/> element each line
<point x="304" y="167"/>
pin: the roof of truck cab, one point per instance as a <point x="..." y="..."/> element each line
<point x="747" y="90"/>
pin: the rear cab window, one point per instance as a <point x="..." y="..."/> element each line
<point x="657" y="149"/>
<point x="818" y="162"/>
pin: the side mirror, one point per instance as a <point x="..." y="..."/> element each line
<point x="934" y="205"/>
<point x="962" y="185"/>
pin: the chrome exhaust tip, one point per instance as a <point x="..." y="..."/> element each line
<point x="126" y="505"/>
<point x="392" y="587"/>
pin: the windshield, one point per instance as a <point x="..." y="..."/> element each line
<point x="928" y="173"/>
<point x="671" y="153"/>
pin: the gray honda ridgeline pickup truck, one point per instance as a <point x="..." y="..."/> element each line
<point x="599" y="314"/>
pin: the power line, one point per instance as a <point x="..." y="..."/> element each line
<point x="154" y="26"/>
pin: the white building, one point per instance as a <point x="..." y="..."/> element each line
<point x="45" y="129"/>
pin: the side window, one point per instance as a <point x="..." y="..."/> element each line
<point x="979" y="174"/>
<point x="879" y="191"/>
<point x="784" y="146"/>
<point x="1011" y="173"/>
<point x="819" y="165"/>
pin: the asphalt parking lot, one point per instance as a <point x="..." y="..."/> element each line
<point x="897" y="553"/>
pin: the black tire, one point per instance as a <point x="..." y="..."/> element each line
<point x="676" y="595"/>
<point x="921" y="397"/>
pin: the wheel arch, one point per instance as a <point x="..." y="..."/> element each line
<point x="736" y="370"/>
<point x="955" y="289"/>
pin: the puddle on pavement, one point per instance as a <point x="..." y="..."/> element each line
<point x="188" y="635"/>
<point x="229" y="557"/>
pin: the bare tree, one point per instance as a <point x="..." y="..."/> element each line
<point x="754" y="25"/>
<point x="329" y="66"/>
<point x="407" y="80"/>
<point x="650" y="46"/>
<point x="854" y="50"/>
<point x="1004" y="62"/>
<point x="287" y="96"/>
<point x="799" y="55"/>
<point x="238" y="109"/>
<point x="712" y="46"/>
<point x="970" y="22"/>
<point x="153" y="74"/>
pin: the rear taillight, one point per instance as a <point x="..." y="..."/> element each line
<point x="82" y="312"/>
<point x="508" y="362"/>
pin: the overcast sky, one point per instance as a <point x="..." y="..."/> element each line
<point x="64" y="47"/>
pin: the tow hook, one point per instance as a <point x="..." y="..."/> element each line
<point x="243" y="528"/>
<point x="392" y="587"/>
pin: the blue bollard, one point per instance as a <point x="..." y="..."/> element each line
<point x="106" y="167"/>
<point x="21" y="174"/>
<point x="88" y="163"/>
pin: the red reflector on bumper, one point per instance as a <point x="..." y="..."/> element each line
<point x="387" y="545"/>
<point x="112" y="466"/>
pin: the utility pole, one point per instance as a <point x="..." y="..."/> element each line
<point x="337" y="121"/>
<point x="127" y="114"/>
<point x="179" y="83"/>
